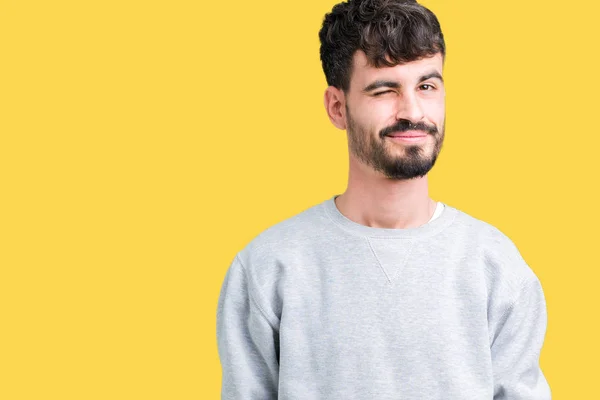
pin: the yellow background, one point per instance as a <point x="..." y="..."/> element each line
<point x="144" y="143"/>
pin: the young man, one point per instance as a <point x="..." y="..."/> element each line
<point x="382" y="292"/>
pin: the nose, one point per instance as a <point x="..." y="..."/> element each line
<point x="409" y="107"/>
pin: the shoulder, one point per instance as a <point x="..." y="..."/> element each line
<point x="498" y="252"/>
<point x="284" y="240"/>
<point x="270" y="256"/>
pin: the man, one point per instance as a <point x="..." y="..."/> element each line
<point x="381" y="292"/>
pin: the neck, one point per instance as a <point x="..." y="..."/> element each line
<point x="374" y="200"/>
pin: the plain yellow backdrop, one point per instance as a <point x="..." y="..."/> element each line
<point x="144" y="143"/>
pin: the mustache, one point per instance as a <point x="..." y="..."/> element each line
<point x="405" y="125"/>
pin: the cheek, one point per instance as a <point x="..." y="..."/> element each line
<point x="437" y="112"/>
<point x="367" y="119"/>
<point x="377" y="116"/>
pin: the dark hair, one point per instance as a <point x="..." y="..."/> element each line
<point x="390" y="32"/>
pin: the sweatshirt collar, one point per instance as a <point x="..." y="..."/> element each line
<point x="430" y="228"/>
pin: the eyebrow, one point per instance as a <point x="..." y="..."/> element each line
<point x="395" y="85"/>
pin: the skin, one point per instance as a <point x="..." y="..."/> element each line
<point x="387" y="181"/>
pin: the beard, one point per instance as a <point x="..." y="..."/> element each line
<point x="372" y="150"/>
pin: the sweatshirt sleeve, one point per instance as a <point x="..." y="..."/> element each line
<point x="247" y="340"/>
<point x="516" y="347"/>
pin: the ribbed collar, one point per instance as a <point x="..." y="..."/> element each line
<point x="430" y="228"/>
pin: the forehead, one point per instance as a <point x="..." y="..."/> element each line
<point x="363" y="73"/>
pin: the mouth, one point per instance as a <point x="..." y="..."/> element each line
<point x="407" y="137"/>
<point x="411" y="133"/>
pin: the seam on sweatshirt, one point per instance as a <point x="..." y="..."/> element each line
<point x="390" y="278"/>
<point x="520" y="292"/>
<point x="406" y="257"/>
<point x="269" y="318"/>
<point x="377" y="258"/>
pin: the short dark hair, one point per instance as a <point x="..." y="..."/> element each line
<point x="389" y="32"/>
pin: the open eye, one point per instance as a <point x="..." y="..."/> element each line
<point x="431" y="87"/>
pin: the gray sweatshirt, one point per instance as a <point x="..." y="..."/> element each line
<point x="321" y="307"/>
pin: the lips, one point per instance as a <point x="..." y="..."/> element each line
<point x="407" y="135"/>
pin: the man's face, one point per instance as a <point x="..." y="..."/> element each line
<point x="407" y="99"/>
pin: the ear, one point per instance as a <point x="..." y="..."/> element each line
<point x="335" y="105"/>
